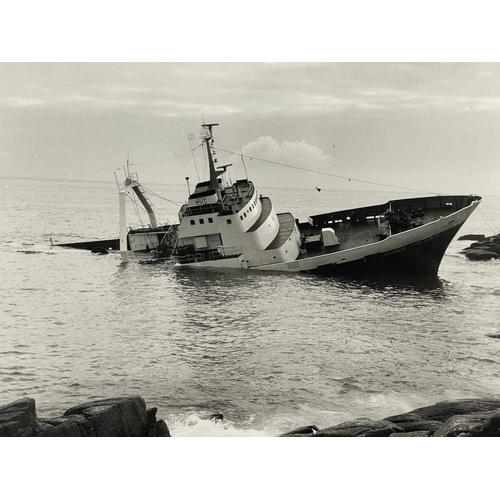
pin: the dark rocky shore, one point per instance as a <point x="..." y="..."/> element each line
<point x="483" y="248"/>
<point x="462" y="418"/>
<point x="113" y="417"/>
<point x="128" y="416"/>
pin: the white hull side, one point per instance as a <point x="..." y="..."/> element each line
<point x="231" y="263"/>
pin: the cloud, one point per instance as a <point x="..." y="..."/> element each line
<point x="21" y="101"/>
<point x="287" y="162"/>
<point x="414" y="99"/>
<point x="189" y="89"/>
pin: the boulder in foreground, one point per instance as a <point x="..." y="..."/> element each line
<point x="460" y="418"/>
<point x="481" y="424"/>
<point x="19" y="418"/>
<point x="124" y="416"/>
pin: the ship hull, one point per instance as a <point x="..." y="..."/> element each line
<point x="415" y="252"/>
<point x="421" y="258"/>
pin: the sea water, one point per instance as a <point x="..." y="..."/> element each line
<point x="271" y="351"/>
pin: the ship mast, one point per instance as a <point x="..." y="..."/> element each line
<point x="207" y="137"/>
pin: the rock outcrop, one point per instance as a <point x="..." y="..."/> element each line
<point x="114" y="417"/>
<point x="484" y="423"/>
<point x="484" y="248"/>
<point x="461" y="418"/>
<point x="19" y="418"/>
<point x="360" y="427"/>
<point x="471" y="237"/>
<point x="305" y="431"/>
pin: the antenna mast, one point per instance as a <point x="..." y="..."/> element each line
<point x="128" y="165"/>
<point x="190" y="138"/>
<point x="243" y="161"/>
<point x="208" y="138"/>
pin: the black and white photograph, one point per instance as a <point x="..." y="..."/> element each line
<point x="249" y="249"/>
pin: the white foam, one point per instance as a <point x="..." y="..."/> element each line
<point x="194" y="426"/>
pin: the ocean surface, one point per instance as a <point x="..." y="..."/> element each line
<point x="272" y="352"/>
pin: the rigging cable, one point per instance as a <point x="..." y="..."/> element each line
<point x="328" y="174"/>
<point x="192" y="152"/>
<point x="167" y="159"/>
<point x="152" y="193"/>
<point x="136" y="205"/>
<point x="489" y="223"/>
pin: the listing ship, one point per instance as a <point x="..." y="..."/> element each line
<point x="233" y="226"/>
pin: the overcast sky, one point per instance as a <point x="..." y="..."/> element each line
<point x="434" y="127"/>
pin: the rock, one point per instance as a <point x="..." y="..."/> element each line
<point x="346" y="429"/>
<point x="411" y="422"/>
<point x="411" y="434"/>
<point x="478" y="254"/>
<point x="19" y="419"/>
<point x="109" y="421"/>
<point x="60" y="425"/>
<point x="151" y="416"/>
<point x="125" y="416"/>
<point x="444" y="410"/>
<point x="383" y="428"/>
<point x="485" y="424"/>
<point x="485" y="241"/>
<point x="115" y="416"/>
<point x="471" y="237"/>
<point x="297" y="435"/>
<point x="216" y="417"/>
<point x="307" y="430"/>
<point x="461" y="418"/>
<point x="360" y="427"/>
<point x="487" y="245"/>
<point x="162" y="429"/>
<point x="490" y="248"/>
<point x="484" y="248"/>
<point x="67" y="428"/>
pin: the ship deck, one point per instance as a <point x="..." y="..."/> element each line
<point x="286" y="228"/>
<point x="355" y="234"/>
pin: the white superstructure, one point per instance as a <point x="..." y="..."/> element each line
<point x="230" y="225"/>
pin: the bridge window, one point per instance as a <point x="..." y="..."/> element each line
<point x="210" y="220"/>
<point x="229" y="221"/>
<point x="202" y="221"/>
<point x="192" y="222"/>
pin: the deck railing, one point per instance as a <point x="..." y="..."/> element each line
<point x="210" y="208"/>
<point x="227" y="252"/>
